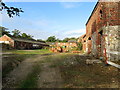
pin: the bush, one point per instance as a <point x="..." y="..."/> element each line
<point x="80" y="46"/>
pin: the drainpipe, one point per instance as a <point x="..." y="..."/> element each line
<point x="113" y="64"/>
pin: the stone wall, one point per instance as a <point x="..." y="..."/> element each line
<point x="94" y="46"/>
<point x="107" y="45"/>
<point x="112" y="42"/>
<point x="103" y="14"/>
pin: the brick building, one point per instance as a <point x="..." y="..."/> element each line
<point x="103" y="30"/>
<point x="69" y="44"/>
<point x="82" y="39"/>
<point x="19" y="43"/>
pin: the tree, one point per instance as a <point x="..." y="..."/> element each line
<point x="30" y="37"/>
<point x="11" y="11"/>
<point x="72" y="38"/>
<point x="16" y="33"/>
<point x="3" y="31"/>
<point x="58" y="40"/>
<point x="24" y="35"/>
<point x="51" y="39"/>
<point x="27" y="36"/>
<point x="66" y="40"/>
<point x="40" y="40"/>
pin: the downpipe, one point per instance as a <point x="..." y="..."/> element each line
<point x="113" y="64"/>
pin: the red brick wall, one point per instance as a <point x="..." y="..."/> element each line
<point x="66" y="44"/>
<point x="84" y="46"/>
<point x="110" y="13"/>
<point x="6" y="38"/>
<point x="105" y="13"/>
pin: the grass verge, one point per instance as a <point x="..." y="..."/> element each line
<point x="31" y="80"/>
<point x="36" y="51"/>
<point x="77" y="74"/>
<point x="11" y="61"/>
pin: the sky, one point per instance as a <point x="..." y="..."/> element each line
<point x="44" y="19"/>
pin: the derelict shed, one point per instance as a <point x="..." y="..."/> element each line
<point x="19" y="43"/>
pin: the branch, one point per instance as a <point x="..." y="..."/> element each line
<point x="11" y="11"/>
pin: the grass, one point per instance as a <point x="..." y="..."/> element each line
<point x="76" y="74"/>
<point x="12" y="61"/>
<point x="37" y="51"/>
<point x="31" y="80"/>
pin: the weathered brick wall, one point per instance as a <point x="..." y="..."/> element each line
<point x="105" y="14"/>
<point x="112" y="41"/>
<point x="84" y="46"/>
<point x="67" y="44"/>
<point x="94" y="46"/>
<point x="6" y="38"/>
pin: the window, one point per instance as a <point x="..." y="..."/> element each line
<point x="89" y="38"/>
<point x="101" y="14"/>
<point x="101" y="32"/>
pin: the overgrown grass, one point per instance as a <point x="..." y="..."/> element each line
<point x="36" y="51"/>
<point x="9" y="62"/>
<point x="31" y="80"/>
<point x="76" y="74"/>
<point x="54" y="58"/>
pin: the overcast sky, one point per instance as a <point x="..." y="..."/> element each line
<point x="44" y="19"/>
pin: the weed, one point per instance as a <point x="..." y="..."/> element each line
<point x="31" y="80"/>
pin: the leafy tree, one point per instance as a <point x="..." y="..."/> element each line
<point x="11" y="11"/>
<point x="72" y="38"/>
<point x="16" y="33"/>
<point x="66" y="40"/>
<point x="3" y="31"/>
<point x="51" y="39"/>
<point x="40" y="40"/>
<point x="27" y="36"/>
<point x="24" y="35"/>
<point x="58" y="40"/>
<point x="30" y="37"/>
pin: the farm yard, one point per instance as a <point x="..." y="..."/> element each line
<point x="60" y="47"/>
<point x="56" y="70"/>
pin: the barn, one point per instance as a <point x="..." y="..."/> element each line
<point x="103" y="30"/>
<point x="20" y="43"/>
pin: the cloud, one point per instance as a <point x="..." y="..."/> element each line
<point x="69" y="4"/>
<point x="40" y="28"/>
<point x="69" y="33"/>
<point x="75" y="31"/>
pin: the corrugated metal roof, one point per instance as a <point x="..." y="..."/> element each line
<point x="28" y="41"/>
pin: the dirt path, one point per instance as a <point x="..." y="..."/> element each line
<point x="49" y="77"/>
<point x="20" y="73"/>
